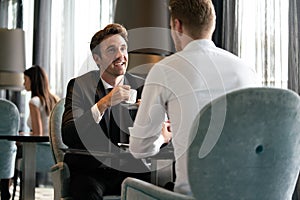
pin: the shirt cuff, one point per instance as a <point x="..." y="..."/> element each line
<point x="160" y="141"/>
<point x="96" y="113"/>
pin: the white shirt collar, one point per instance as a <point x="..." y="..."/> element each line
<point x="107" y="85"/>
<point x="201" y="42"/>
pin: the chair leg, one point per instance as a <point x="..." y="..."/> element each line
<point x="5" y="195"/>
<point x="18" y="172"/>
<point x="15" y="183"/>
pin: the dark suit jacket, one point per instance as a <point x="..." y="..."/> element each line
<point x="79" y="129"/>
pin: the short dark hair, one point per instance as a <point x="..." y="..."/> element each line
<point x="196" y="15"/>
<point x="111" y="29"/>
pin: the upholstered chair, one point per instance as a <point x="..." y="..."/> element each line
<point x="9" y="125"/>
<point x="243" y="145"/>
<point x="60" y="170"/>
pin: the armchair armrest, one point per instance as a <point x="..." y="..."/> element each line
<point x="135" y="189"/>
<point x="61" y="180"/>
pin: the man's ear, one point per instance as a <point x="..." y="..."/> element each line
<point x="97" y="60"/>
<point x="178" y="26"/>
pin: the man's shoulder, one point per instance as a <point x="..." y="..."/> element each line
<point x="85" y="81"/>
<point x="91" y="75"/>
<point x="173" y="58"/>
<point x="134" y="80"/>
<point x="131" y="76"/>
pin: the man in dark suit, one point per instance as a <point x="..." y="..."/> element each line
<point x="91" y="120"/>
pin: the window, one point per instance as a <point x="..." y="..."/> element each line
<point x="263" y="38"/>
<point x="73" y="25"/>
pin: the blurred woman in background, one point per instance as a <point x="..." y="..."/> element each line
<point x="42" y="100"/>
<point x="40" y="105"/>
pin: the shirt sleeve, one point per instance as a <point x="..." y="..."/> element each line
<point x="35" y="101"/>
<point x="96" y="113"/>
<point x="145" y="135"/>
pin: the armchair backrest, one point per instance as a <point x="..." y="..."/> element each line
<point x="60" y="171"/>
<point x="10" y="120"/>
<point x="246" y="145"/>
<point x="56" y="142"/>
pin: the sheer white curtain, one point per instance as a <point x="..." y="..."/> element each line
<point x="294" y="51"/>
<point x="294" y="59"/>
<point x="73" y="25"/>
<point x="263" y="38"/>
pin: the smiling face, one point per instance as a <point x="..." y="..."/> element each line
<point x="113" y="58"/>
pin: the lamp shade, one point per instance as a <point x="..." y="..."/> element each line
<point x="149" y="35"/>
<point x="12" y="58"/>
<point x="148" y="25"/>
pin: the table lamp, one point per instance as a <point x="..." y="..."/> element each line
<point x="149" y="36"/>
<point x="12" y="59"/>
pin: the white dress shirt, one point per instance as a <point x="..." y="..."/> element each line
<point x="180" y="85"/>
<point x="94" y="109"/>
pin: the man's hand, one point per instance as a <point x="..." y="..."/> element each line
<point x="166" y="131"/>
<point x="117" y="95"/>
<point x="138" y="102"/>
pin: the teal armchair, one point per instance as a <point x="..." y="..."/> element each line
<point x="135" y="189"/>
<point x="243" y="145"/>
<point x="10" y="119"/>
<point x="60" y="170"/>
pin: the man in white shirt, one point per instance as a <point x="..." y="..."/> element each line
<point x="180" y="85"/>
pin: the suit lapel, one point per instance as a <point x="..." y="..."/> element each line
<point x="100" y="92"/>
<point x="114" y="129"/>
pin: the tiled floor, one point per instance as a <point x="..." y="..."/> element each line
<point x="41" y="193"/>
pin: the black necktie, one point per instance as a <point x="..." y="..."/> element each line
<point x="113" y="128"/>
<point x="107" y="115"/>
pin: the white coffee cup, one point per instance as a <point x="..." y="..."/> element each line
<point x="132" y="96"/>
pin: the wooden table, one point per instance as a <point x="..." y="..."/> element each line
<point x="29" y="163"/>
